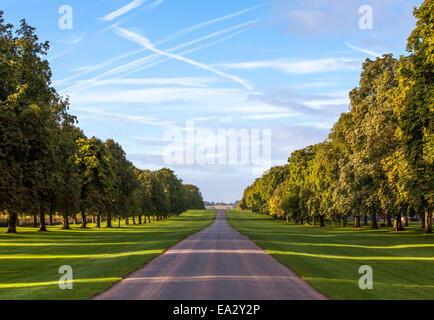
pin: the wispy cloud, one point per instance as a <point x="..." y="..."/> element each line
<point x="73" y="41"/>
<point x="147" y="61"/>
<point x="186" y="82"/>
<point x="155" y="4"/>
<point x="269" y="116"/>
<point x="125" y="9"/>
<point x="143" y="41"/>
<point x="135" y="118"/>
<point x="212" y="21"/>
<point x="154" y="96"/>
<point x="299" y="67"/>
<point x="372" y="53"/>
<point x="246" y="26"/>
<point x="134" y="64"/>
<point x="59" y="55"/>
<point x="88" y="69"/>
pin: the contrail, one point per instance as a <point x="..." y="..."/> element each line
<point x="154" y="4"/>
<point x="97" y="67"/>
<point x="150" y="65"/>
<point x="149" y="58"/>
<point x="372" y="53"/>
<point x="203" y="24"/>
<point x="147" y="44"/>
<point x="209" y="36"/>
<point x="172" y="37"/>
<point x="121" y="11"/>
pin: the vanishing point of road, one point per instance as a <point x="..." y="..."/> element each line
<point x="217" y="263"/>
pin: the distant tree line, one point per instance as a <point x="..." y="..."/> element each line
<point x="379" y="156"/>
<point x="48" y="166"/>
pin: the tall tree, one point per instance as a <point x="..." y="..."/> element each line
<point x="97" y="176"/>
<point x="30" y="118"/>
<point x="415" y="108"/>
<point x="125" y="181"/>
<point x="193" y="196"/>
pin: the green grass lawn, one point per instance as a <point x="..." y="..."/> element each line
<point x="329" y="258"/>
<point x="30" y="260"/>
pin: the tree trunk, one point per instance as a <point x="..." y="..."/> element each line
<point x="98" y="221"/>
<point x="35" y="221"/>
<point x="321" y="221"/>
<point x="374" y="224"/>
<point x="343" y="222"/>
<point x="365" y="220"/>
<point x="357" y="222"/>
<point x="66" y="222"/>
<point x="307" y="220"/>
<point x="109" y="220"/>
<point x="149" y="219"/>
<point x="397" y="225"/>
<point x="388" y="220"/>
<point x="42" y="220"/>
<point x="428" y="221"/>
<point x="422" y="221"/>
<point x="119" y="222"/>
<point x="127" y="221"/>
<point x="50" y="221"/>
<point x="301" y="220"/>
<point x="134" y="219"/>
<point x="313" y="221"/>
<point x="140" y="219"/>
<point x="405" y="220"/>
<point x="83" y="222"/>
<point x="12" y="226"/>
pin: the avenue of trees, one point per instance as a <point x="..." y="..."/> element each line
<point x="379" y="157"/>
<point x="49" y="167"/>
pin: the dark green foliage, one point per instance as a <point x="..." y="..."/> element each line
<point x="379" y="159"/>
<point x="48" y="166"/>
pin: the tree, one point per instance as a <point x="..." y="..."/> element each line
<point x="30" y="119"/>
<point x="96" y="170"/>
<point x="323" y="175"/>
<point x="193" y="197"/>
<point x="414" y="98"/>
<point x="66" y="185"/>
<point x="298" y="168"/>
<point x="125" y="181"/>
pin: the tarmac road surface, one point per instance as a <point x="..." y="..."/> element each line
<point x="217" y="263"/>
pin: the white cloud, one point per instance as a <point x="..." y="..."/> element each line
<point x="125" y="9"/>
<point x="134" y="118"/>
<point x="147" y="61"/>
<point x="143" y="41"/>
<point x="155" y="4"/>
<point x="372" y="53"/>
<point x="73" y="41"/>
<point x="153" y="96"/>
<point x="84" y="70"/>
<point x="209" y="22"/>
<point x="270" y="116"/>
<point x="318" y="104"/>
<point x="299" y="67"/>
<point x="187" y="82"/>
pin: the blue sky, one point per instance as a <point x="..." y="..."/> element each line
<point x="136" y="70"/>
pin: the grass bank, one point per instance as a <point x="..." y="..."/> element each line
<point x="30" y="260"/>
<point x="329" y="258"/>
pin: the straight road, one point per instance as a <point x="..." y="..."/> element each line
<point x="217" y="263"/>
